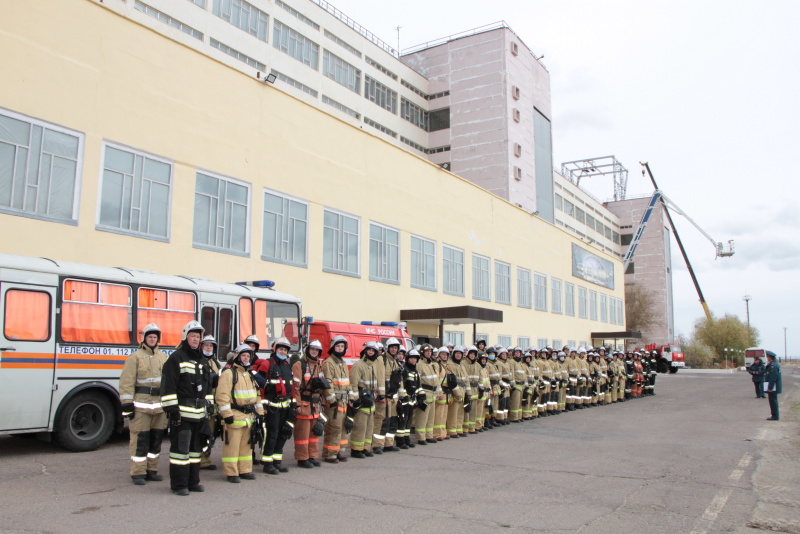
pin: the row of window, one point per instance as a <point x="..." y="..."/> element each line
<point x="583" y="217"/>
<point x="135" y="199"/>
<point x="524" y="342"/>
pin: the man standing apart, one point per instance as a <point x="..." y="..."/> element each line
<point x="772" y="385"/>
<point x="757" y="370"/>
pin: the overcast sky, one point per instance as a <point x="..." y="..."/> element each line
<point x="705" y="91"/>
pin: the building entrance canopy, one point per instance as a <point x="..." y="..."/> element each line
<point x="455" y="315"/>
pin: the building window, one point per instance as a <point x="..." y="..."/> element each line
<point x="376" y="92"/>
<point x="38" y="168"/>
<point x="340" y="249"/>
<point x="540" y="291"/>
<point x="590" y="222"/>
<point x="285" y="230"/>
<point x="516" y="115"/>
<point x="555" y="288"/>
<point x="582" y="304"/>
<point x="481" y="284"/>
<point x="557" y="344"/>
<point x="517" y="174"/>
<point x="580" y="215"/>
<point x="341" y="43"/>
<point x="384" y="254"/>
<point x="543" y="165"/>
<point x="453" y="271"/>
<point x="515" y="92"/>
<point x="524" y="342"/>
<point x="502" y="282"/>
<point x="514" y="48"/>
<point x="558" y="201"/>
<point x="569" y="208"/>
<point x="523" y="288"/>
<point x="439" y="119"/>
<point x="593" y="305"/>
<point x="413" y="114"/>
<point x="423" y="263"/>
<point x="517" y="150"/>
<point x="604" y="308"/>
<point x="166" y="19"/>
<point x="298" y="15"/>
<point x="456" y="338"/>
<point x="380" y="127"/>
<point x="414" y="89"/>
<point x="341" y="72"/>
<point x="238" y="55"/>
<point x="569" y="299"/>
<point x="295" y="44"/>
<point x="620" y="313"/>
<point x="294" y="83"/>
<point x="243" y="16"/>
<point x="380" y="67"/>
<point x="504" y="341"/>
<point x="340" y="107"/>
<point x="135" y="193"/>
<point x="541" y="343"/>
<point x="221" y="217"/>
<point x="612" y="310"/>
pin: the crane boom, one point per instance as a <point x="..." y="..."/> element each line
<point x="722" y="252"/>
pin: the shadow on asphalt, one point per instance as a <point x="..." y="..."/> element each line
<point x="29" y="444"/>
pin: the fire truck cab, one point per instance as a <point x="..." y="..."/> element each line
<point x="670" y="357"/>
<point x="357" y="335"/>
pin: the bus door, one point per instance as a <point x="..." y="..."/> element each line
<point x="27" y="355"/>
<point x="217" y="320"/>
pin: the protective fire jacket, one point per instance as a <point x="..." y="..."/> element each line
<point x="140" y="381"/>
<point x="278" y="374"/>
<point x="237" y="396"/>
<point x="463" y="390"/>
<point x="429" y="378"/>
<point x="185" y="384"/>
<point x="368" y="375"/>
<point x="520" y="374"/>
<point x="307" y="399"/>
<point x="335" y="370"/>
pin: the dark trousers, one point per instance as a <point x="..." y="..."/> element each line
<point x="273" y="443"/>
<point x="759" y="389"/>
<point x="185" y="446"/>
<point x="773" y="405"/>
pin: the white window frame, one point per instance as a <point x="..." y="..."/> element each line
<point x="254" y="15"/>
<point x="342" y="246"/>
<point x="248" y="214"/>
<point x="341" y="72"/>
<point x="583" y="303"/>
<point x="541" y="343"/>
<point x="593" y="305"/>
<point x="502" y="282"/>
<point x="556" y="298"/>
<point x="34" y="122"/>
<point x="612" y="317"/>
<point x="524" y="342"/>
<point x="423" y="279"/>
<point x="136" y="154"/>
<point x="384" y="256"/>
<point x="540" y="291"/>
<point x="295" y="44"/>
<point x="524" y="288"/>
<point x="505" y="341"/>
<point x="479" y="292"/>
<point x="285" y="231"/>
<point x="603" y="308"/>
<point x="456" y="338"/>
<point x="620" y="312"/>
<point x="380" y="94"/>
<point x="569" y="299"/>
<point x="451" y="271"/>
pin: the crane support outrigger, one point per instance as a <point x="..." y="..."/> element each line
<point x="658" y="196"/>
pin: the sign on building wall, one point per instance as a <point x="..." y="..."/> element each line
<point x="591" y="268"/>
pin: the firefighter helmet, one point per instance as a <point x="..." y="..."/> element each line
<point x="152" y="328"/>
<point x="191" y="326"/>
<point x="412" y="354"/>
<point x="243" y="347"/>
<point x="281" y="342"/>
<point x="392" y="341"/>
<point x="335" y="341"/>
<point x="369" y="345"/>
<point x="424" y="347"/>
<point x="314" y="344"/>
<point x="252" y="338"/>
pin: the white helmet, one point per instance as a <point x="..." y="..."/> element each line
<point x="281" y="342"/>
<point x="413" y="353"/>
<point x="152" y="328"/>
<point x="191" y="326"/>
<point x="582" y="350"/>
<point x="314" y="344"/>
<point x="444" y="349"/>
<point x="252" y="338"/>
<point x="392" y="341"/>
<point x="209" y="339"/>
<point x="243" y="347"/>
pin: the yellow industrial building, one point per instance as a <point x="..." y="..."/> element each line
<point x="122" y="146"/>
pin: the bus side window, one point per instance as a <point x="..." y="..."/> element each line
<point x="27" y="315"/>
<point x="170" y="310"/>
<point x="208" y="318"/>
<point x="95" y="312"/>
<point x="245" y="318"/>
<point x="225" y="327"/>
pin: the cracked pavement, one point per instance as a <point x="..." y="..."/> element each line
<point x="654" y="464"/>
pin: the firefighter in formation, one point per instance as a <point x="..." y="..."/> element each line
<point x="389" y="400"/>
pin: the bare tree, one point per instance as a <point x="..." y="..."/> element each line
<point x="639" y="313"/>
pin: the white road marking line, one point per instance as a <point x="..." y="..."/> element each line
<point x="761" y="434"/>
<point x="721" y="498"/>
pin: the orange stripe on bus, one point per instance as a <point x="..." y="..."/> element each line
<point x="88" y="366"/>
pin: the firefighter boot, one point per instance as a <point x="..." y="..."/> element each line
<point x="153" y="476"/>
<point x="138" y="480"/>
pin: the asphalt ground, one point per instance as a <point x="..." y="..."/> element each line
<point x="683" y="461"/>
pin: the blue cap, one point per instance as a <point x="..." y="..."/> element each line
<point x="770" y="353"/>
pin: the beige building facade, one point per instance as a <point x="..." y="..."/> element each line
<point x="125" y="146"/>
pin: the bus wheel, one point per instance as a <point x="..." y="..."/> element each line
<point x="673" y="370"/>
<point x="85" y="422"/>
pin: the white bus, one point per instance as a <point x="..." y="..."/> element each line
<point x="67" y="329"/>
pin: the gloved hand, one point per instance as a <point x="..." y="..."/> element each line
<point x="348" y="424"/>
<point x="366" y="398"/>
<point x="127" y="410"/>
<point x="287" y="430"/>
<point x="422" y="405"/>
<point x="318" y="428"/>
<point x="175" y="419"/>
<point x="334" y="404"/>
<point x="467" y="407"/>
<point x="405" y="400"/>
<point x="228" y="420"/>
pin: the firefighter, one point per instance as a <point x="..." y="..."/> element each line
<point x="386" y="410"/>
<point x="563" y="381"/>
<point x="444" y="392"/>
<point x="638" y="375"/>
<point x="483" y="392"/>
<point x="573" y="370"/>
<point x="280" y="410"/>
<point x="368" y="377"/>
<point x="208" y="346"/>
<point x="411" y="396"/>
<point x="461" y="394"/>
<point x="530" y="385"/>
<point x="534" y="382"/>
<point x="239" y="404"/>
<point x="254" y="343"/>
<point x="185" y="382"/>
<point x="339" y="399"/>
<point x="506" y="383"/>
<point x="653" y="371"/>
<point x="309" y="384"/>
<point x="596" y="378"/>
<point x="473" y="376"/>
<point x="555" y="382"/>
<point x="140" y="396"/>
<point x="429" y="381"/>
<point x="628" y="375"/>
<point x="480" y="344"/>
<point x="584" y="378"/>
<point x="493" y="405"/>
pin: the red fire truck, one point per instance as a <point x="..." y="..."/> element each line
<point x="670" y="357"/>
<point x="355" y="334"/>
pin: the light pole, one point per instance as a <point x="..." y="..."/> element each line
<point x="726" y="358"/>
<point x="746" y="300"/>
<point x="784" y="344"/>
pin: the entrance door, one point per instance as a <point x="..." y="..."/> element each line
<point x="27" y="355"/>
<point x="217" y="319"/>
